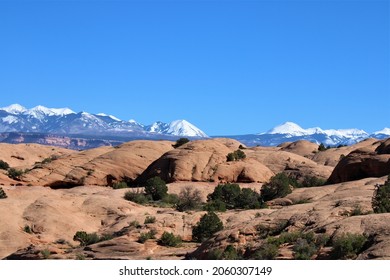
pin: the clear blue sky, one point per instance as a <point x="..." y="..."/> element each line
<point x="229" y="67"/>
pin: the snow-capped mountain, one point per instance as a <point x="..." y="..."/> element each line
<point x="178" y="128"/>
<point x="290" y="132"/>
<point x="16" y="118"/>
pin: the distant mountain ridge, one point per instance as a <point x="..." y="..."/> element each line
<point x="16" y="118"/>
<point x="290" y="132"/>
<point x="104" y="129"/>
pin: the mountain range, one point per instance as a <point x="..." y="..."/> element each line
<point x="19" y="124"/>
<point x="16" y="118"/>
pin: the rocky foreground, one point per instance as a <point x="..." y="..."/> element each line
<point x="62" y="192"/>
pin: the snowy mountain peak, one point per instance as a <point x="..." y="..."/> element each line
<point x="110" y="116"/>
<point x="40" y="112"/>
<point x="14" y="109"/>
<point x="289" y="128"/>
<point x="184" y="128"/>
<point x="385" y="131"/>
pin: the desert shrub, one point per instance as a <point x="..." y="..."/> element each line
<point x="135" y="224"/>
<point x="356" y="211"/>
<point x="49" y="159"/>
<point x="248" y="199"/>
<point x="86" y="239"/>
<point x="348" y="246"/>
<point x="236" y="155"/>
<point x="45" y="254"/>
<point x="189" y="200"/>
<point x="3" y="195"/>
<point x="278" y="186"/>
<point x="170" y="240"/>
<point x="312" y="181"/>
<point x="215" y="206"/>
<point x="231" y="253"/>
<point x="15" y="173"/>
<point x="27" y="229"/>
<point x="227" y="193"/>
<point x="150" y="220"/>
<point x="241" y="147"/>
<point x="146" y="236"/>
<point x="206" y="227"/>
<point x="215" y="254"/>
<point x="322" y="147"/>
<point x="231" y="196"/>
<point x="136" y="197"/>
<point x="171" y="199"/>
<point x="303" y="249"/>
<point x="381" y="198"/>
<point x="156" y="188"/>
<point x="267" y="251"/>
<point x="120" y="185"/>
<point x="180" y="142"/>
<point x="4" y="165"/>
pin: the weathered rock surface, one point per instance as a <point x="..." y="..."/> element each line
<point x="100" y="166"/>
<point x="369" y="161"/>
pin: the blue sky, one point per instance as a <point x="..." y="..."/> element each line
<point x="229" y="67"/>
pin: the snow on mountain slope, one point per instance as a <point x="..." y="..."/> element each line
<point x="288" y="128"/>
<point x="14" y="109"/>
<point x="385" y="131"/>
<point x="184" y="128"/>
<point x="110" y="116"/>
<point x="63" y="120"/>
<point x="177" y="128"/>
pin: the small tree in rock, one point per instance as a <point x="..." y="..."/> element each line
<point x="206" y="227"/>
<point x="2" y="194"/>
<point x="381" y="198"/>
<point x="3" y="165"/>
<point x="180" y="142"/>
<point x="156" y="187"/>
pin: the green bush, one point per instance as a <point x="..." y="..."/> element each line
<point x="120" y="185"/>
<point x="312" y="181"/>
<point x="15" y="173"/>
<point x="348" y="246"/>
<point x="236" y="155"/>
<point x="171" y="199"/>
<point x="215" y="206"/>
<point x="189" y="200"/>
<point x="139" y="198"/>
<point x="381" y="198"/>
<point x="206" y="227"/>
<point x="230" y="253"/>
<point x="231" y="196"/>
<point x="278" y="186"/>
<point x="267" y="251"/>
<point x="227" y="193"/>
<point x="303" y="249"/>
<point x="170" y="240"/>
<point x="156" y="188"/>
<point x="27" y="229"/>
<point x="4" y="165"/>
<point x="248" y="199"/>
<point x="86" y="239"/>
<point x="150" y="220"/>
<point x="146" y="236"/>
<point x="322" y="147"/>
<point x="180" y="142"/>
<point x="3" y="195"/>
<point x="45" y="254"/>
